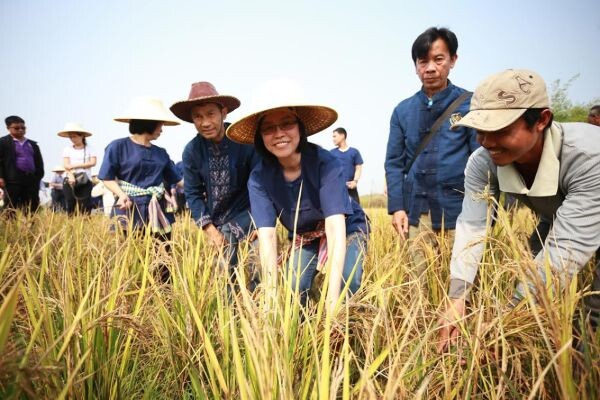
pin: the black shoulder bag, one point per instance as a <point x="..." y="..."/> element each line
<point x="436" y="126"/>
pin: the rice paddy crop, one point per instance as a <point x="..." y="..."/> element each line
<point x="82" y="316"/>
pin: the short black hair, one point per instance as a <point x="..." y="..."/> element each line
<point x="141" y="126"/>
<point x="532" y="115"/>
<point x="261" y="149"/>
<point x="341" y="131"/>
<point x="423" y="43"/>
<point x="13" y="119"/>
<point x="595" y="110"/>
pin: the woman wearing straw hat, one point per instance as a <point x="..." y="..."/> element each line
<point x="136" y="171"/>
<point x="78" y="160"/>
<point x="56" y="188"/>
<point x="303" y="186"/>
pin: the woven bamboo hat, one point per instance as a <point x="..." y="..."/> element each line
<point x="148" y="108"/>
<point x="202" y="93"/>
<point x="58" y="168"/>
<point x="73" y="127"/>
<point x="281" y="94"/>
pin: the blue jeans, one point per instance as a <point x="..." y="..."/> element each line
<point x="235" y="231"/>
<point x="304" y="265"/>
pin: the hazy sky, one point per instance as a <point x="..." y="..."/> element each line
<point x="84" y="61"/>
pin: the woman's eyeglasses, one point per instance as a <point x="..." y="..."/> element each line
<point x="284" y="126"/>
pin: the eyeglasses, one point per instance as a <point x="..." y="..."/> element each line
<point x="284" y="126"/>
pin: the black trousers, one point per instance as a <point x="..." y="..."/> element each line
<point x="79" y="199"/>
<point x="58" y="199"/>
<point x="24" y="194"/>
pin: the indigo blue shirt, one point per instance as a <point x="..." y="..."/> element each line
<point x="349" y="160"/>
<point x="139" y="165"/>
<point x="322" y="191"/>
<point x="435" y="182"/>
<point x="197" y="180"/>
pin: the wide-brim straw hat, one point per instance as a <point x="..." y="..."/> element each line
<point x="148" y="108"/>
<point x="73" y="127"/>
<point x="202" y="93"/>
<point x="58" y="168"/>
<point x="281" y="94"/>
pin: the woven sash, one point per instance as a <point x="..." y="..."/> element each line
<point x="305" y="238"/>
<point x="156" y="218"/>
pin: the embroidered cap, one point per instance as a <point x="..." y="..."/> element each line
<point x="502" y="98"/>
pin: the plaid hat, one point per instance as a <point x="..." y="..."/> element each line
<point x="502" y="98"/>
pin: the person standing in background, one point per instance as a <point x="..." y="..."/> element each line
<point x="425" y="183"/>
<point x="56" y="189"/>
<point x="594" y="115"/>
<point x="78" y="160"/>
<point x="350" y="159"/>
<point x="21" y="167"/>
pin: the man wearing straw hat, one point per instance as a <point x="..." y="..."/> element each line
<point x="56" y="188"/>
<point x="425" y="160"/>
<point x="216" y="170"/>
<point x="21" y="166"/>
<point x="550" y="167"/>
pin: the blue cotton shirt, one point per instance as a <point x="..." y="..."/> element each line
<point x="139" y="165"/>
<point x="435" y="183"/>
<point x="349" y="160"/>
<point x="322" y="191"/>
<point x="199" y="187"/>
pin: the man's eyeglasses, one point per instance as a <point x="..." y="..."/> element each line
<point x="284" y="126"/>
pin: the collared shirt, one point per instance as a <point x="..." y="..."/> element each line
<point x="565" y="191"/>
<point x="57" y="180"/>
<point x="435" y="181"/>
<point x="198" y="180"/>
<point x="301" y="205"/>
<point x="24" y="156"/>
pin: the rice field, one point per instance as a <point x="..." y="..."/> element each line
<point x="82" y="316"/>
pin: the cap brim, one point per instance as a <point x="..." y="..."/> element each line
<point x="490" y="120"/>
<point x="314" y="118"/>
<point x="183" y="109"/>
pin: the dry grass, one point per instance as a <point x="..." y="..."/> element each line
<point x="82" y="317"/>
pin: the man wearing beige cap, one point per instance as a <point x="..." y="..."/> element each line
<point x="216" y="170"/>
<point x="550" y="167"/>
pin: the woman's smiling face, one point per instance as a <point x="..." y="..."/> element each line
<point x="280" y="132"/>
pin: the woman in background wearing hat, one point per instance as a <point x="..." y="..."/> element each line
<point x="303" y="185"/>
<point x="78" y="159"/>
<point x="136" y="171"/>
<point x="56" y="189"/>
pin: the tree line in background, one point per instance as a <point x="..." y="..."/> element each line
<point x="564" y="109"/>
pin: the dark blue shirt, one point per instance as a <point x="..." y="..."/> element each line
<point x="322" y="191"/>
<point x="139" y="165"/>
<point x="435" y="182"/>
<point x="198" y="184"/>
<point x="349" y="160"/>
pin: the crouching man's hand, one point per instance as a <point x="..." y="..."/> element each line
<point x="448" y="323"/>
